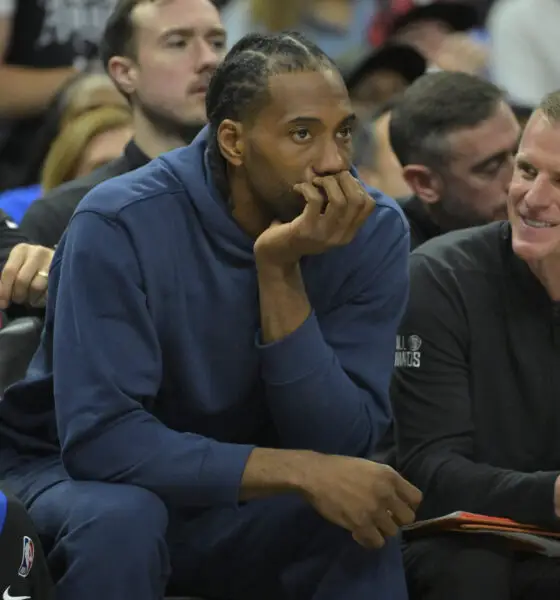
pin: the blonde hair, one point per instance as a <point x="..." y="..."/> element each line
<point x="277" y="15"/>
<point x="84" y="95"/>
<point x="65" y="153"/>
<point x="550" y="106"/>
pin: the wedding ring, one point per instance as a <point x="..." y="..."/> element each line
<point x="43" y="274"/>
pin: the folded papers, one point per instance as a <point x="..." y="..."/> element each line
<point x="529" y="538"/>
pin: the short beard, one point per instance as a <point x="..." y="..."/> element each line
<point x="451" y="214"/>
<point x="169" y="125"/>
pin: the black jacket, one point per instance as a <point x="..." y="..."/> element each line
<point x="422" y="228"/>
<point x="47" y="218"/>
<point x="10" y="236"/>
<point x="475" y="390"/>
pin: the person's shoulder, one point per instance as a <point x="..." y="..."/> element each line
<point x="132" y="189"/>
<point x="473" y="249"/>
<point x="388" y="219"/>
<point x="66" y="197"/>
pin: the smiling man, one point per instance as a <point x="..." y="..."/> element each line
<point x="216" y="360"/>
<point x="476" y="385"/>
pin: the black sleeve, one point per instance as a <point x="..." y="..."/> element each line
<point x="46" y="219"/>
<point x="24" y="570"/>
<point x="432" y="408"/>
<point x="9" y="237"/>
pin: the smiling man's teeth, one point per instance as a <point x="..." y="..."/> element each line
<point x="537" y="224"/>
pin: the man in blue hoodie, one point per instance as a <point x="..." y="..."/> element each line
<point x="216" y="360"/>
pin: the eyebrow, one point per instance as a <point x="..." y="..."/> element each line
<point x="302" y="120"/>
<point x="189" y="32"/>
<point x="525" y="163"/>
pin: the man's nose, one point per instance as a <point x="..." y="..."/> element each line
<point x="331" y="160"/>
<point x="539" y="194"/>
<point x="209" y="56"/>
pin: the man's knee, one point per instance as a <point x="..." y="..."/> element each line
<point x="92" y="521"/>
<point x="110" y="515"/>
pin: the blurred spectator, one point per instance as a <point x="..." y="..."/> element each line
<point x="43" y="43"/>
<point x="374" y="159"/>
<point x="165" y="74"/>
<point x="336" y="26"/>
<point x="447" y="33"/>
<point x="86" y="143"/>
<point x="388" y="170"/>
<point x="382" y="74"/>
<point x="524" y="59"/>
<point x="83" y="92"/>
<point x="455" y="137"/>
<point x="80" y="94"/>
<point x="364" y="143"/>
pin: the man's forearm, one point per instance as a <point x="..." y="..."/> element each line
<point x="313" y="402"/>
<point x="452" y="482"/>
<point x="283" y="300"/>
<point x="27" y="92"/>
<point x="270" y="471"/>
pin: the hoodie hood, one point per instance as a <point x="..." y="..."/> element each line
<point x="190" y="166"/>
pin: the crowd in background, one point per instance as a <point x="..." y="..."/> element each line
<point x="51" y="73"/>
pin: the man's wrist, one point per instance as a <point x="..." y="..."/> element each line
<point x="275" y="266"/>
<point x="270" y="471"/>
<point x="278" y="274"/>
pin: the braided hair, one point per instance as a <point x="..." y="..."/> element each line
<point x="239" y="86"/>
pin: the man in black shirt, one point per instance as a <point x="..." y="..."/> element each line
<point x="455" y="137"/>
<point x="476" y="384"/>
<point x="161" y="56"/>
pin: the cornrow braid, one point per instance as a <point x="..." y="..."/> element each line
<point x="239" y="86"/>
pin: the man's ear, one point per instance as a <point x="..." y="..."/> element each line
<point x="124" y="74"/>
<point x="230" y="141"/>
<point x="424" y="183"/>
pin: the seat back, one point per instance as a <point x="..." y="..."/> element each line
<point x="19" y="340"/>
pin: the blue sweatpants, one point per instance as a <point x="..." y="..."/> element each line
<point x="116" y="541"/>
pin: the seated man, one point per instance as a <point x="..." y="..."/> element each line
<point x="477" y="380"/>
<point x="455" y="137"/>
<point x="166" y="93"/>
<point x="219" y="329"/>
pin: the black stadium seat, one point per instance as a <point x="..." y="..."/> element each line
<point x="18" y="341"/>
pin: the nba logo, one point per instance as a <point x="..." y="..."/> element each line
<point x="27" y="558"/>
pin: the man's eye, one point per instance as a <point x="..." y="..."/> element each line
<point x="346" y="133"/>
<point x="301" y="135"/>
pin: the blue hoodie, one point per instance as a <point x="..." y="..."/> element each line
<point x="150" y="370"/>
